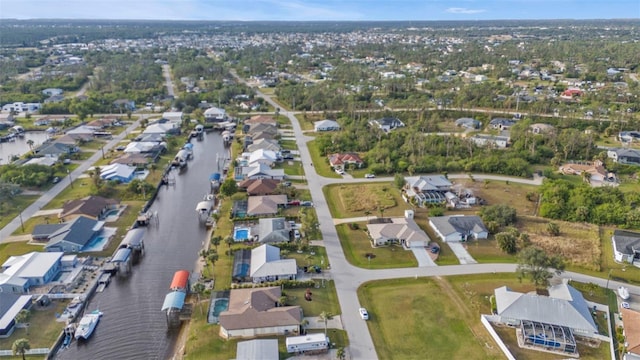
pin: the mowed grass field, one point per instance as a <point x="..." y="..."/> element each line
<point x="356" y="245"/>
<point x="499" y="192"/>
<point x="427" y="324"/>
<point x="353" y="200"/>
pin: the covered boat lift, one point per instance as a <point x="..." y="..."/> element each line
<point x="134" y="240"/>
<point x="180" y="281"/>
<point x="122" y="260"/>
<point x="175" y="308"/>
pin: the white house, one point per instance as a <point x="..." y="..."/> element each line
<point x="173" y="116"/>
<point x="118" y="172"/>
<point x="497" y="141"/>
<point x="159" y="128"/>
<point x="261" y="156"/>
<point x="458" y="227"/>
<point x="21" y="272"/>
<point x="215" y="114"/>
<point x="267" y="266"/>
<point x="402" y="230"/>
<point x="626" y="246"/>
<point x="326" y="125"/>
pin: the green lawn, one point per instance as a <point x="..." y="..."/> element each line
<point x="14" y="207"/>
<point x="292" y="168"/>
<point x="428" y="324"/>
<point x="306" y="121"/>
<point x="43" y="329"/>
<point x="353" y="200"/>
<point x="16" y="248"/>
<point x="320" y="162"/>
<point x="487" y="251"/>
<point x="81" y="188"/>
<point x="322" y="299"/>
<point x="288" y="145"/>
<point x="356" y="245"/>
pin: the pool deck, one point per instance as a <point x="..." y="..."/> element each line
<point x="215" y="296"/>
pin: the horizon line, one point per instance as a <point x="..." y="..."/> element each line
<point x="319" y="20"/>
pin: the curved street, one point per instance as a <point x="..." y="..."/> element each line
<point x="348" y="278"/>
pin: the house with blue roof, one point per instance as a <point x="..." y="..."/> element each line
<point x="72" y="236"/>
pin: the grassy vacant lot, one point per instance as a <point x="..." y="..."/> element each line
<point x="292" y="167"/>
<point x="430" y="325"/>
<point x="81" y="188"/>
<point x="17" y="204"/>
<point x="320" y="162"/>
<point x="578" y="243"/>
<point x="487" y="251"/>
<point x="43" y="329"/>
<point x="356" y="245"/>
<point x="352" y="200"/>
<point x="306" y="120"/>
<point x="499" y="192"/>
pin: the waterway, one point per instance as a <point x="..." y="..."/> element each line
<point x="133" y="327"/>
<point x="20" y="146"/>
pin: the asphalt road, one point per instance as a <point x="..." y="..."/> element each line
<point x="348" y="278"/>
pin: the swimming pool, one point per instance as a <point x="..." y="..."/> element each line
<point x="96" y="244"/>
<point x="112" y="212"/>
<point x="241" y="234"/>
<point x="216" y="307"/>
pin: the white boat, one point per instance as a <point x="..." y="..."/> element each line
<point x="623" y="292"/>
<point x="87" y="324"/>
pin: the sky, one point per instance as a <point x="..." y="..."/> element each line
<point x="305" y="10"/>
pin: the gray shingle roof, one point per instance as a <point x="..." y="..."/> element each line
<point x="627" y="242"/>
<point x="462" y="224"/>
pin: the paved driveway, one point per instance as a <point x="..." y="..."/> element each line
<point x="422" y="255"/>
<point x="461" y="252"/>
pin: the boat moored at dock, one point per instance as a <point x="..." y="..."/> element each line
<point x="87" y="325"/>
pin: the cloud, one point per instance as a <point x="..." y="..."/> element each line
<point x="458" y="10"/>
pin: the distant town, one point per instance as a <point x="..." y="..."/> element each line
<point x="321" y="190"/>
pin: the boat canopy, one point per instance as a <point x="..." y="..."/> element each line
<point x="173" y="300"/>
<point x="121" y="255"/>
<point x="133" y="238"/>
<point x="180" y="280"/>
<point x="204" y="206"/>
<point x="188" y="146"/>
<point x="214" y="176"/>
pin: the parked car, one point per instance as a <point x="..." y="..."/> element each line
<point x="363" y="313"/>
<point x="625" y="305"/>
<point x="56" y="180"/>
<point x="286" y="183"/>
<point x="293" y="203"/>
<point x="296" y="234"/>
<point x="287" y="157"/>
<point x="369" y="176"/>
<point x="340" y="171"/>
<point x="306" y="203"/>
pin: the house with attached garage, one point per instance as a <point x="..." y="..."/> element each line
<point x="71" y="236"/>
<point x="273" y="230"/>
<point x="469" y="123"/>
<point x="10" y="307"/>
<point x="624" y="156"/>
<point x="458" y="227"/>
<point x="626" y="247"/>
<point x="402" y="230"/>
<point x="326" y="125"/>
<point x="426" y="189"/>
<point x="343" y="160"/>
<point x="257" y="312"/>
<point x="265" y="205"/>
<point x="387" y="124"/>
<point x="94" y="207"/>
<point x="266" y="265"/>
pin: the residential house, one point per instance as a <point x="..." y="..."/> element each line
<point x="132" y="159"/>
<point x="541" y="128"/>
<point x="174" y="117"/>
<point x="469" y="123"/>
<point x="631" y="323"/>
<point x="257" y="349"/>
<point x="94" y="207"/>
<point x="387" y="124"/>
<point x="596" y="170"/>
<point x="261" y="156"/>
<point x="626" y="246"/>
<point x="501" y="123"/>
<point x="628" y="136"/>
<point x="52" y="91"/>
<point x="162" y="129"/>
<point x="19" y="107"/>
<point x="10" y="307"/>
<point x="125" y="105"/>
<point x="256" y="312"/>
<point x="54" y="99"/>
<point x="326" y="125"/>
<point x="426" y="189"/>
<point x="259" y="171"/>
<point x="56" y="149"/>
<point x="262" y="128"/>
<point x="402" y="230"/>
<point x="71" y="236"/>
<point x="343" y="160"/>
<point x="265" y="205"/>
<point x="249" y="105"/>
<point x="259" y="186"/>
<point x="624" y="156"/>
<point x="144" y="147"/>
<point x="82" y="132"/>
<point x="495" y="141"/>
<point x="70" y="140"/>
<point x="458" y="227"/>
<point x="266" y="265"/>
<point x="565" y="307"/>
<point x="264" y="144"/>
<point x="118" y="172"/>
<point x="45" y="161"/>
<point x="261" y="119"/>
<point x="273" y="230"/>
<point x="215" y="114"/>
<point x="20" y="273"/>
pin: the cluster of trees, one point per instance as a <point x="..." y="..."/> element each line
<point x="27" y="175"/>
<point x="563" y="200"/>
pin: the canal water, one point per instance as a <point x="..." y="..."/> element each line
<point x="20" y="146"/>
<point x="133" y="327"/>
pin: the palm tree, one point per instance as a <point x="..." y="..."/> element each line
<point x="586" y="177"/>
<point x="212" y="257"/>
<point x="303" y="325"/>
<point x="30" y="144"/>
<point x="215" y="241"/>
<point x="325" y="316"/>
<point x="23" y="318"/>
<point x="340" y="353"/>
<point x="198" y="288"/>
<point x="20" y="347"/>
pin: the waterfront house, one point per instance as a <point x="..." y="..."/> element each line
<point x="261" y="119"/>
<point x="20" y="273"/>
<point x="259" y="186"/>
<point x="10" y="307"/>
<point x="214" y="114"/>
<point x="56" y="149"/>
<point x="94" y="207"/>
<point x="264" y="144"/>
<point x="71" y="236"/>
<point x="265" y="205"/>
<point x="273" y="230"/>
<point x="267" y="266"/>
<point x="118" y="172"/>
<point x="257" y="312"/>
